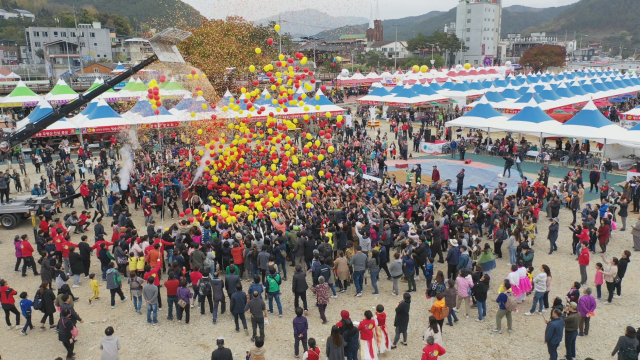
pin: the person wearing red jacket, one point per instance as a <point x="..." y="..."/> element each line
<point x="83" y="220"/>
<point x="27" y="256"/>
<point x="84" y="191"/>
<point x="9" y="303"/>
<point x="97" y="246"/>
<point x="583" y="260"/>
<point x="44" y="224"/>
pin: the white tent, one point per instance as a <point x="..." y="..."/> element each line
<point x="483" y="116"/>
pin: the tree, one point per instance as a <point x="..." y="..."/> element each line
<point x="542" y="57"/>
<point x="40" y="53"/>
<point x="115" y="21"/>
<point x="217" y="45"/>
<point x="371" y="58"/>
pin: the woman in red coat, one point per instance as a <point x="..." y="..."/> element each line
<point x="603" y="235"/>
<point x="9" y="303"/>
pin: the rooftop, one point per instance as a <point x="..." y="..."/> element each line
<point x="353" y="36"/>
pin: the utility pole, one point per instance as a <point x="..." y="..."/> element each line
<point x="280" y="34"/>
<point x="75" y="19"/>
<point x="432" y="45"/>
<point x="395" y="55"/>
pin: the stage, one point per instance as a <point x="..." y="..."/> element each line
<point x="476" y="173"/>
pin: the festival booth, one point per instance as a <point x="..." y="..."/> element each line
<point x="111" y="95"/>
<point x="42" y="110"/>
<point x="61" y="94"/>
<point x="198" y="110"/>
<point x="631" y="118"/>
<point x="21" y="96"/>
<point x="590" y="124"/>
<point x="173" y="90"/>
<point x="101" y="119"/>
<point x="183" y="105"/>
<point x="143" y="116"/>
<point x="119" y="69"/>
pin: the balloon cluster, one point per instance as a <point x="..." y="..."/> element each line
<point x="153" y="94"/>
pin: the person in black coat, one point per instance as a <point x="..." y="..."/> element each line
<point x="401" y="321"/>
<point x="299" y="287"/>
<point x="237" y="305"/>
<point x="76" y="265"/>
<point x="65" y="325"/>
<point x="48" y="308"/>
<point x="85" y="254"/>
<point x="221" y="353"/>
<point x="309" y="246"/>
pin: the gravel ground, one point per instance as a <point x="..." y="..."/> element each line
<point x="468" y="339"/>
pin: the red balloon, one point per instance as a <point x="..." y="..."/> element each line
<point x="181" y="214"/>
<point x="187" y="211"/>
<point x="323" y="88"/>
<point x="270" y="41"/>
<point x="349" y="181"/>
<point x="193" y="72"/>
<point x="163" y="78"/>
<point x="348" y="163"/>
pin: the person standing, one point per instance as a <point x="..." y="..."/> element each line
<point x="237" y="306"/>
<point x="586" y="306"/>
<point x="508" y="163"/>
<point x="217" y="287"/>
<point x="184" y="297"/>
<point x="359" y="264"/>
<point x="335" y="345"/>
<point x="503" y="311"/>
<point x="553" y="235"/>
<point x="322" y="295"/>
<point x="258" y="311"/>
<point x="300" y="328"/>
<point x="571" y="323"/>
<point x="460" y="182"/>
<point x="273" y="290"/>
<point x="401" y="321"/>
<point x="627" y="345"/>
<point x="114" y="284"/>
<point x="635" y="231"/>
<point x="610" y="273"/>
<point x="110" y="345"/>
<point x="27" y="256"/>
<point x="150" y="295"/>
<point x="9" y="303"/>
<point x="539" y="287"/>
<point x="583" y="260"/>
<point x="553" y="333"/>
<point x="435" y="175"/>
<point x="221" y="353"/>
<point x="65" y="326"/>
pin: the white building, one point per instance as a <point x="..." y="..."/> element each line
<point x="478" y="24"/>
<point x="66" y="49"/>
<point x="131" y="49"/>
<point x="390" y="49"/>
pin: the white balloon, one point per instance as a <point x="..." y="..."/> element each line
<point x="344" y="72"/>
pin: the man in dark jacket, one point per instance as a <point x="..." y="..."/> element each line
<point x="85" y="254"/>
<point x="401" y="321"/>
<point x="217" y="287"/>
<point x="508" y="163"/>
<point x="453" y="257"/>
<point x="553" y="235"/>
<point x="553" y="333"/>
<point x="299" y="287"/>
<point x="309" y="246"/>
<point x="298" y="250"/>
<point x="594" y="179"/>
<point x="231" y="281"/>
<point x="221" y="353"/>
<point x="237" y="304"/>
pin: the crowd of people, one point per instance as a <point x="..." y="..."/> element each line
<point x="334" y="239"/>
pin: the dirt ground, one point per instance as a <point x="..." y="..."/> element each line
<point x="468" y="339"/>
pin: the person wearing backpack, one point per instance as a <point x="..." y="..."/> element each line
<point x="507" y="303"/>
<point x="627" y="345"/>
<point x="205" y="292"/>
<point x="136" y="284"/>
<point x="114" y="284"/>
<point x="273" y="290"/>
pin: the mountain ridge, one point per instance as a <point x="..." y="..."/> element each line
<point x="309" y="21"/>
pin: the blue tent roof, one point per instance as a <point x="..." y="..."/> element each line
<point x="539" y="88"/>
<point x="485" y="111"/>
<point x="379" y="91"/>
<point x="510" y="94"/>
<point x="554" y="86"/>
<point x="560" y="77"/>
<point x="494" y="97"/>
<point x="532" y="114"/>
<point x="404" y="92"/>
<point x="424" y="90"/>
<point x="628" y="82"/>
<point x="564" y="92"/>
<point x="523" y="90"/>
<point x="396" y="89"/>
<point x="576" y="90"/>
<point x="533" y="79"/>
<point x="601" y="87"/>
<point x="589" y="116"/>
<point x="90" y="107"/>
<point x="610" y="85"/>
<point x="528" y="96"/>
<point x="103" y="111"/>
<point x="120" y="67"/>
<point x="143" y="108"/>
<point x="196" y="106"/>
<point x="40" y="111"/>
<point x="435" y="86"/>
<point x="570" y="76"/>
<point x="635" y="128"/>
<point x="500" y="83"/>
<point x="589" y="88"/>
<point x="447" y="85"/>
<point x="460" y="87"/>
<point x="549" y="95"/>
<point x="184" y="104"/>
<point x="487" y="84"/>
<point x="516" y="82"/>
<point x="476" y="86"/>
<point x="620" y="84"/>
<point x="322" y="99"/>
<point x="635" y="80"/>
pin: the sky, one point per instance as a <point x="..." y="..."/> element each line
<point x="389" y="9"/>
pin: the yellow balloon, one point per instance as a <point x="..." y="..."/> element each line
<point x="196" y="212"/>
<point x="188" y="163"/>
<point x="277" y="27"/>
<point x="328" y="114"/>
<point x="330" y="149"/>
<point x="258" y="51"/>
<point x="320" y="157"/>
<point x="199" y="131"/>
<point x="321" y="173"/>
<point x="252" y="68"/>
<point x="424" y="68"/>
<point x="309" y="205"/>
<point x="415" y="68"/>
<point x="467" y="66"/>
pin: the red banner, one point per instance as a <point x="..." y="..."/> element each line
<point x="65" y="132"/>
<point x="368" y="102"/>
